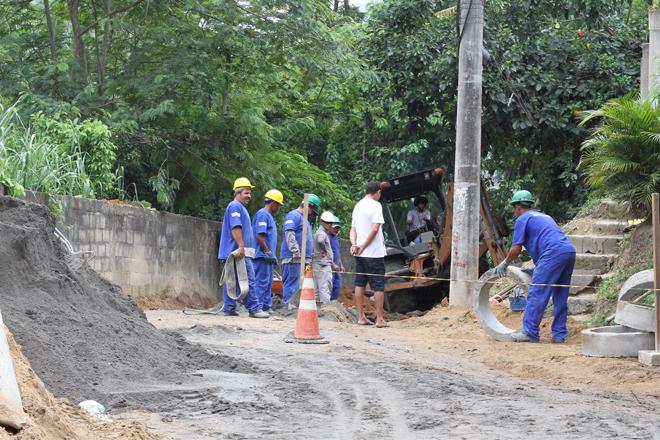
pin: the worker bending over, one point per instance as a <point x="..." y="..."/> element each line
<point x="290" y="251"/>
<point x="323" y="258"/>
<point x="265" y="234"/>
<point x="333" y="235"/>
<point x="554" y="258"/>
<point x="237" y="237"/>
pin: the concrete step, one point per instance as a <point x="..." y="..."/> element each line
<point x="594" y="262"/>
<point x="609" y="227"/>
<point x="596" y="244"/>
<point x="582" y="280"/>
<point x="611" y="210"/>
<point x="580" y="304"/>
<point x="583" y="318"/>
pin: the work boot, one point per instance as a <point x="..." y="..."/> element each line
<point x="521" y="336"/>
<point x="558" y="341"/>
<point x="259" y="314"/>
<point x="231" y="313"/>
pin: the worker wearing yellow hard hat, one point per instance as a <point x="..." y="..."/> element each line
<point x="265" y="234"/>
<point x="242" y="182"/>
<point x="237" y="240"/>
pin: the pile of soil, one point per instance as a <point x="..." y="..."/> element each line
<point x="638" y="249"/>
<point x="58" y="419"/>
<point x="170" y="300"/>
<point x="82" y="335"/>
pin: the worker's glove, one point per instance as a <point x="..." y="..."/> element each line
<point x="269" y="256"/>
<point x="500" y="269"/>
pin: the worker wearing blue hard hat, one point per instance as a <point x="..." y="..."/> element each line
<point x="554" y="258"/>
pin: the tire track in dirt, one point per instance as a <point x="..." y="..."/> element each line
<point x="362" y="389"/>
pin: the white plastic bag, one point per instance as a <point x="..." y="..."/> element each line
<point x="93" y="408"/>
<point x="11" y="407"/>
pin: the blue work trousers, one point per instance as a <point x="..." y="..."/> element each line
<point x="554" y="269"/>
<point x="290" y="280"/>
<point x="250" y="301"/>
<point x="336" y="286"/>
<point x="263" y="273"/>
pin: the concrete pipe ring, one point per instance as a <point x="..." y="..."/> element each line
<point x="615" y="341"/>
<point x="636" y="316"/>
<point x="485" y="316"/>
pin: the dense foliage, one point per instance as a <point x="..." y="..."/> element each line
<point x="621" y="157"/>
<point x="170" y="101"/>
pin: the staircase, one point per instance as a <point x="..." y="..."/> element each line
<point x="596" y="253"/>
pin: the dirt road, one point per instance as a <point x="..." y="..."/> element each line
<point x="370" y="383"/>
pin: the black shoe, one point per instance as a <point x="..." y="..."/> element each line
<point x="232" y="313"/>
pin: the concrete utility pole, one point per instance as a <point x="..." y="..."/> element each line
<point x="654" y="50"/>
<point x="644" y="72"/>
<point x="467" y="168"/>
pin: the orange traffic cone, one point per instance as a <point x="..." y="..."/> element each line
<point x="307" y="321"/>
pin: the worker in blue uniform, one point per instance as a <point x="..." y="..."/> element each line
<point x="265" y="234"/>
<point x="237" y="237"/>
<point x="291" y="249"/>
<point x="335" y="244"/>
<point x="554" y="258"/>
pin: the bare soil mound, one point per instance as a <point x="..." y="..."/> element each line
<point x="82" y="335"/>
<point x="58" y="419"/>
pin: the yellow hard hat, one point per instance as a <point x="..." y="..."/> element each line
<point x="275" y="196"/>
<point x="242" y="182"/>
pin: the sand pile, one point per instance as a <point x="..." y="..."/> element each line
<point x="84" y="338"/>
<point x="58" y="419"/>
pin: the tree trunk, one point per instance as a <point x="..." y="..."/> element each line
<point x="335" y="6"/>
<point x="102" y="52"/>
<point x="51" y="33"/>
<point x="347" y="7"/>
<point x="78" y="43"/>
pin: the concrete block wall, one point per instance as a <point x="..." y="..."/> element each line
<point x="146" y="252"/>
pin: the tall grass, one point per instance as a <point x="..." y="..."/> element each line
<point x="30" y="161"/>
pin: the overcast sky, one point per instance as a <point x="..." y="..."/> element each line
<point x="362" y="4"/>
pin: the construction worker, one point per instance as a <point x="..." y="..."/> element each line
<point x="418" y="219"/>
<point x="323" y="260"/>
<point x="265" y="234"/>
<point x="368" y="247"/>
<point x="290" y="251"/>
<point x="336" y="252"/>
<point x="237" y="237"/>
<point x="554" y="258"/>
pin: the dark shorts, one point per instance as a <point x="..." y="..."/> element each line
<point x="375" y="267"/>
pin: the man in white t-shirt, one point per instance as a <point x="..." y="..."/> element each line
<point x="368" y="247"/>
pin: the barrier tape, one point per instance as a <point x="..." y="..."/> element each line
<point x="415" y="277"/>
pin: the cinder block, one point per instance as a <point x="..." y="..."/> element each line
<point x="649" y="358"/>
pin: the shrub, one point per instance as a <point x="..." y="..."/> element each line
<point x="621" y="156"/>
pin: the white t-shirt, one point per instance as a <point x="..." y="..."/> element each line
<point x="367" y="212"/>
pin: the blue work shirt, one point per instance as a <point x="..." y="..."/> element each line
<point x="336" y="248"/>
<point x="294" y="222"/>
<point x="540" y="235"/>
<point x="264" y="223"/>
<point x="235" y="216"/>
